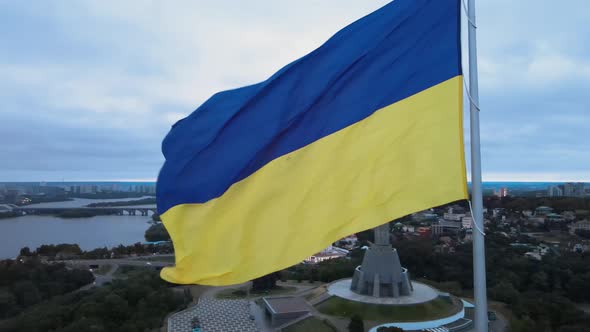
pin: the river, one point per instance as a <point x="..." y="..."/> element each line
<point x="81" y="202"/>
<point x="34" y="230"/>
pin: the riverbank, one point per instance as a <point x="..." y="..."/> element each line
<point x="144" y="201"/>
<point x="93" y="232"/>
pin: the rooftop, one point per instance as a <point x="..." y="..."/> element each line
<point x="544" y="208"/>
<point x="286" y="304"/>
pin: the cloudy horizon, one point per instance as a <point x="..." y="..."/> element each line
<point x="90" y="88"/>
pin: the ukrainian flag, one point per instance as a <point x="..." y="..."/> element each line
<point x="363" y="130"/>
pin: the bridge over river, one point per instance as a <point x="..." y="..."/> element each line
<point x="107" y="210"/>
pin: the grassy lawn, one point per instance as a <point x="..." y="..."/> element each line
<point x="309" y="324"/>
<point x="240" y="293"/>
<point x="438" y="308"/>
<point x="103" y="269"/>
<point x="315" y="293"/>
<point x="452" y="287"/>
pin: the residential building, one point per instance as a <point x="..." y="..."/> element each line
<point x="580" y="248"/>
<point x="543" y="211"/>
<point x="326" y="254"/>
<point x="436" y="230"/>
<point x="84" y="189"/>
<point x="468" y="235"/>
<point x="569" y="215"/>
<point x="144" y="188"/>
<point x="574" y="189"/>
<point x="408" y="228"/>
<point x="497" y="212"/>
<point x="580" y="225"/>
<point x="555" y="191"/>
<point x="450" y="226"/>
<point x="424" y="232"/>
<point x="533" y="255"/>
<point x="554" y="217"/>
<point x="424" y="215"/>
<point x="348" y="242"/>
<point x="537" y="221"/>
<point x="502" y="192"/>
<point x="453" y="216"/>
<point x="467" y="222"/>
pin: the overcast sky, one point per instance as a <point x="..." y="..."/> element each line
<point x="88" y="89"/>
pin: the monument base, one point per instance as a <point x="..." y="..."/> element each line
<point x="422" y="293"/>
<point x="381" y="274"/>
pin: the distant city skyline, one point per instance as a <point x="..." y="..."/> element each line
<point x="90" y="89"/>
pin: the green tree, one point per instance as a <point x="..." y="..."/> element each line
<point x="266" y="282"/>
<point x="26" y="293"/>
<point x="156" y="233"/>
<point x="7" y="304"/>
<point x="504" y="292"/>
<point x="356" y="324"/>
<point x="578" y="287"/>
<point x="25" y="251"/>
<point x="115" y="308"/>
<point x="540" y="281"/>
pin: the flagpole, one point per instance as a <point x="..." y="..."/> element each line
<point x="479" y="263"/>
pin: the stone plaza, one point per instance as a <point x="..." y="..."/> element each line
<point x="215" y="315"/>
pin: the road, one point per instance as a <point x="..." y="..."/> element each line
<point x="500" y="324"/>
<point x="114" y="263"/>
<point x="100" y="280"/>
<point x="131" y="261"/>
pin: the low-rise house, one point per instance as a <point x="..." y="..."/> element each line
<point x="468" y="235"/>
<point x="424" y="232"/>
<point x="533" y="255"/>
<point x="467" y="222"/>
<point x="535" y="221"/>
<point x="327" y="254"/>
<point x="554" y="217"/>
<point x="543" y="211"/>
<point x="451" y="226"/>
<point x="580" y="225"/>
<point x="348" y="242"/>
<point x="569" y="215"/>
<point x="424" y="216"/>
<point x="579" y="248"/>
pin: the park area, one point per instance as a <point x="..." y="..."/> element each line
<point x="435" y="309"/>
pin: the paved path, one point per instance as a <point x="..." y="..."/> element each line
<point x="182" y="321"/>
<point x="215" y="315"/>
<point x="219" y="315"/>
<point x="119" y="261"/>
<point x="225" y="315"/>
<point x="339" y="322"/>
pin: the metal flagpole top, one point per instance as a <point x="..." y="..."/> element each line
<point x="479" y="268"/>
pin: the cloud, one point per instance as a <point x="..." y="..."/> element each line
<point x="90" y="88"/>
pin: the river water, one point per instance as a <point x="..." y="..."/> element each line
<point x="34" y="230"/>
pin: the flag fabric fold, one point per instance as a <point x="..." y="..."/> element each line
<point x="365" y="129"/>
